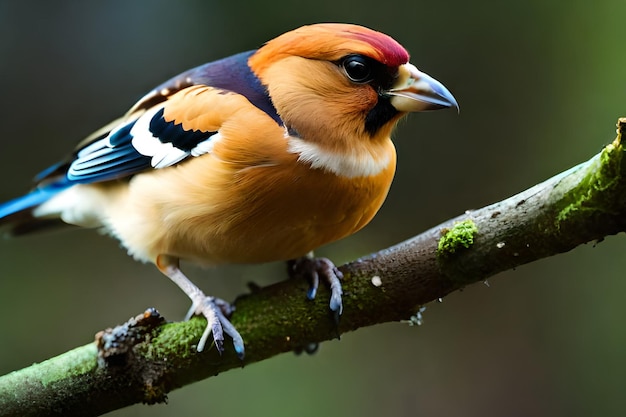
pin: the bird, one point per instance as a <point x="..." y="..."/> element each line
<point x="262" y="156"/>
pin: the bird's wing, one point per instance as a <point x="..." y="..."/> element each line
<point x="175" y="121"/>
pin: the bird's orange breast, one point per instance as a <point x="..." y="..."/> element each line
<point x="216" y="210"/>
<point x="292" y="209"/>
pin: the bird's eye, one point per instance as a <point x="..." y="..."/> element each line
<point x="357" y="68"/>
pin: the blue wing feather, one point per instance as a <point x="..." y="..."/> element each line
<point x="108" y="164"/>
<point x="108" y="158"/>
<point x="119" y="136"/>
<point x="34" y="198"/>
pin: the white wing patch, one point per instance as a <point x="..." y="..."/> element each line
<point x="206" y="146"/>
<point x="163" y="154"/>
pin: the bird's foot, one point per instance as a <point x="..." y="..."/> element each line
<point x="213" y="309"/>
<point x="313" y="269"/>
<point x="216" y="311"/>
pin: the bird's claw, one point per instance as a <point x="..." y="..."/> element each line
<point x="215" y="311"/>
<point x="314" y="269"/>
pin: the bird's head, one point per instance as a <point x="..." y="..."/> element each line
<point x="333" y="82"/>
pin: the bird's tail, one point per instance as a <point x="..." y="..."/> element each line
<point x="17" y="216"/>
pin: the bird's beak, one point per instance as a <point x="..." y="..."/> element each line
<point x="416" y="91"/>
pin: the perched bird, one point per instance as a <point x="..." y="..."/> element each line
<point x="262" y="156"/>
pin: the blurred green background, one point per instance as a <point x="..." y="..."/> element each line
<point x="540" y="85"/>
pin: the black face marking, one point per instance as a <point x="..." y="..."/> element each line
<point x="382" y="113"/>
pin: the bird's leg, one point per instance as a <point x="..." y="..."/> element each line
<point x="213" y="309"/>
<point x="314" y="269"/>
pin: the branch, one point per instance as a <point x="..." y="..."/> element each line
<point x="146" y="358"/>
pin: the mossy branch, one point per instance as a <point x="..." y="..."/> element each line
<point x="144" y="359"/>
